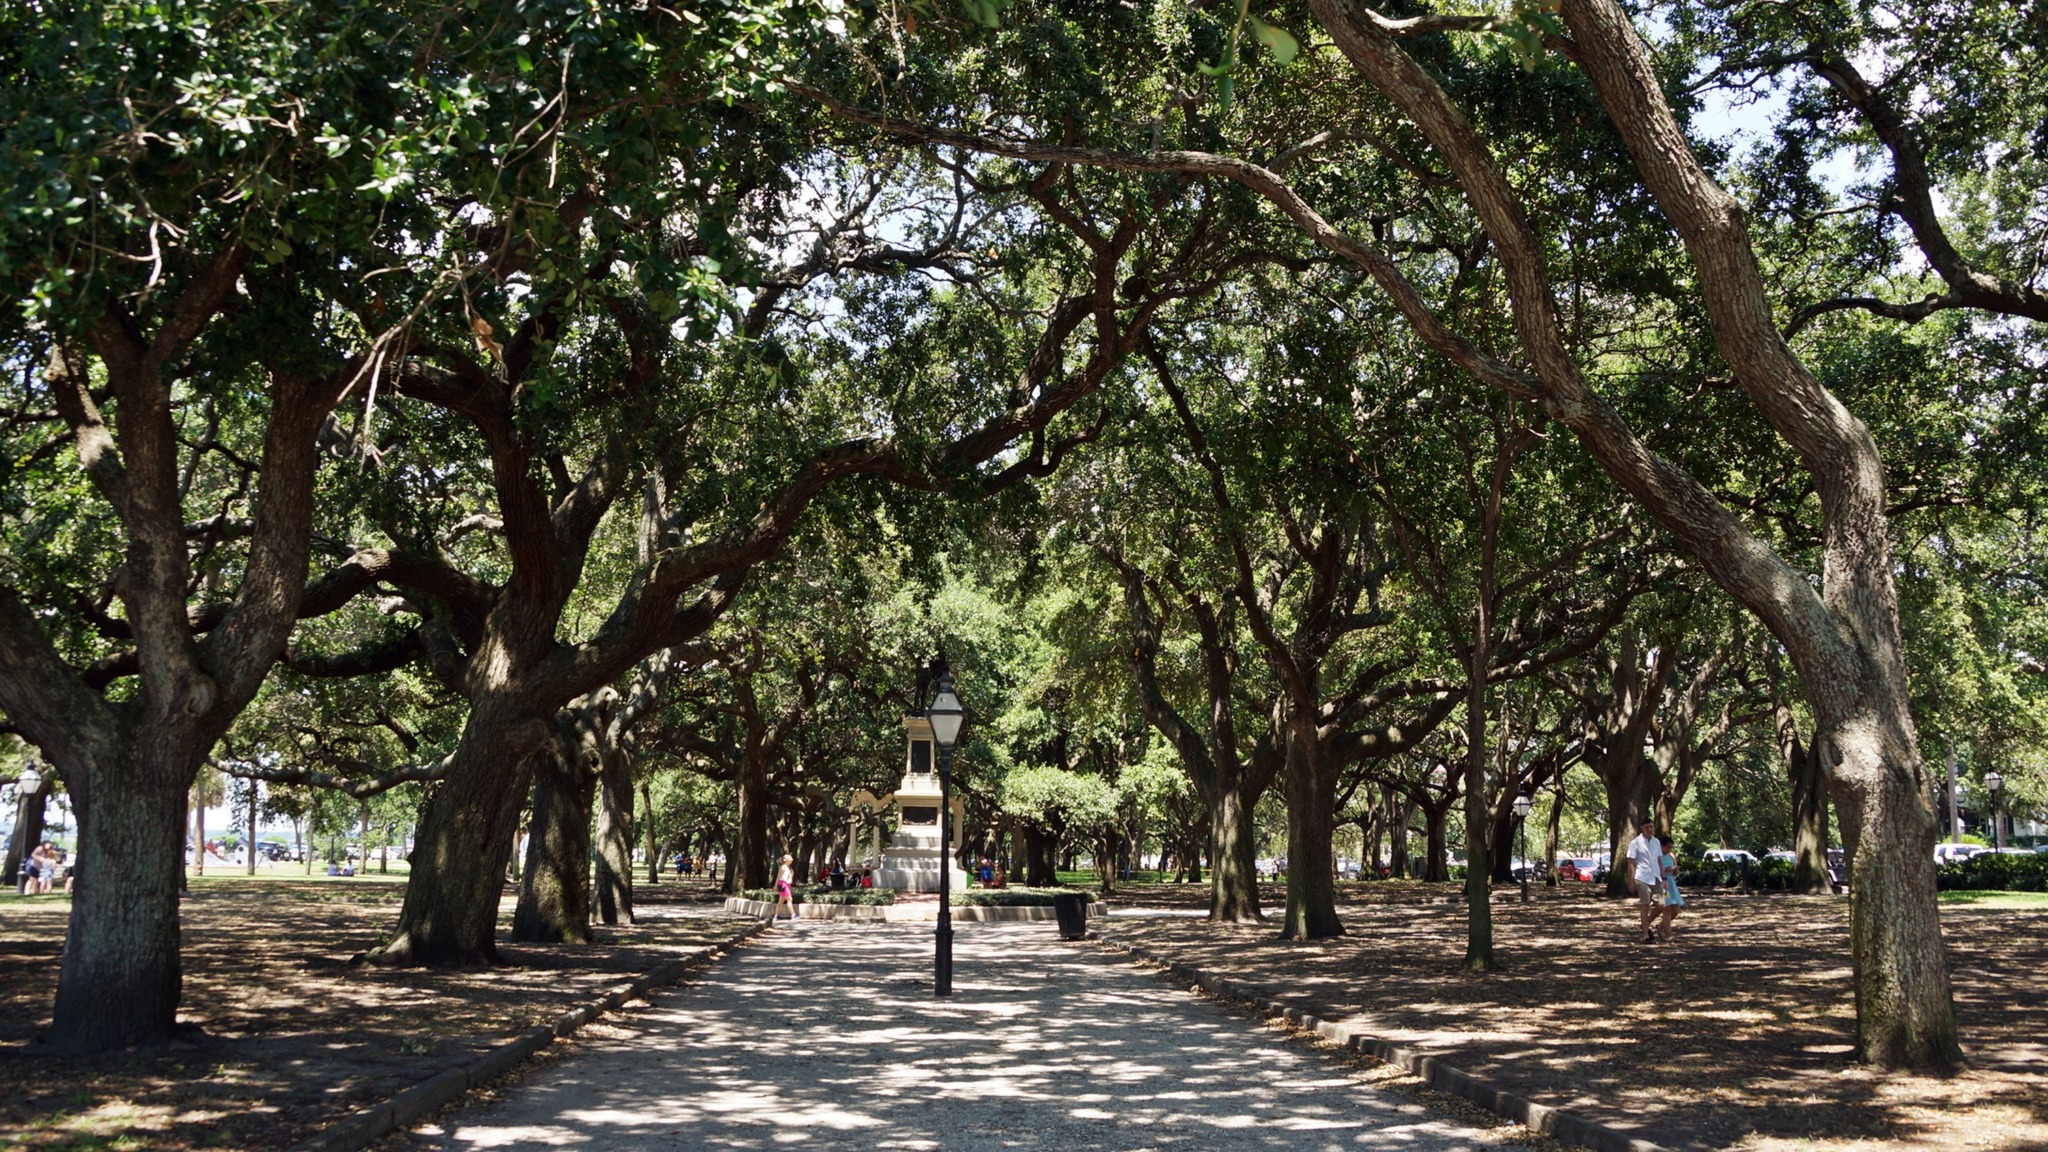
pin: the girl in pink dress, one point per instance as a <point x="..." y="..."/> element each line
<point x="785" y="894"/>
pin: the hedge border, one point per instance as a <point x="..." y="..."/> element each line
<point x="1567" y="1127"/>
<point x="409" y="1107"/>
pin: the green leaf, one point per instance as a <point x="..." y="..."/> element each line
<point x="1283" y="46"/>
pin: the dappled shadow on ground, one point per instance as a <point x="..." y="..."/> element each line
<point x="1739" y="1034"/>
<point x="827" y="1036"/>
<point x="289" y="1036"/>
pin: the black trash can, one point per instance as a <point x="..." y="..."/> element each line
<point x="1072" y="910"/>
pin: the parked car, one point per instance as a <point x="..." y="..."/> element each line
<point x="1957" y="853"/>
<point x="1729" y="856"/>
<point x="1838" y="867"/>
<point x="1781" y="854"/>
<point x="1579" y="868"/>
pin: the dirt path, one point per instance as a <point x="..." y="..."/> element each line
<point x="827" y="1036"/>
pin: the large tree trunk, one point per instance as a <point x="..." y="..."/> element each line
<point x="464" y="844"/>
<point x="1039" y="865"/>
<point x="1809" y="806"/>
<point x="120" y="978"/>
<point x="1550" y="834"/>
<point x="1810" y="875"/>
<point x="1478" y="872"/>
<point x="554" y="892"/>
<point x="1904" y="1013"/>
<point x="1500" y="830"/>
<point x="1631" y="799"/>
<point x="249" y="856"/>
<point x="1397" y="835"/>
<point x="615" y="837"/>
<point x="1436" y="837"/>
<point x="751" y="847"/>
<point x="1311" y="824"/>
<point x="1233" y="860"/>
<point x="647" y="825"/>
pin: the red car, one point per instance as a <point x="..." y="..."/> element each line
<point x="1571" y="869"/>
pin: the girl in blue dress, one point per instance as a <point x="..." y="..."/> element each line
<point x="1667" y="865"/>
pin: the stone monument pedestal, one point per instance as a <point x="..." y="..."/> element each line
<point x="914" y="858"/>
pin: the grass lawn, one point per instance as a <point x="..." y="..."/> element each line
<point x="2023" y="901"/>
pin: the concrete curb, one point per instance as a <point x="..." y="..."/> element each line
<point x="1568" y="1127"/>
<point x="422" y="1099"/>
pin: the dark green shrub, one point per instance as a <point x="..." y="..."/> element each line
<point x="1774" y="875"/>
<point x="1995" y="872"/>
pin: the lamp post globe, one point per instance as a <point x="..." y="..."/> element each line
<point x="1523" y="804"/>
<point x="29" y="780"/>
<point x="945" y="716"/>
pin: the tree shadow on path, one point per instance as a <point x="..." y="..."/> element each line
<point x="828" y="1036"/>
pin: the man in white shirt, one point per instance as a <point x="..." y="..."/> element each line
<point x="1646" y="876"/>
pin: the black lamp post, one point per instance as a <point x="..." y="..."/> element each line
<point x="1996" y="783"/>
<point x="1522" y="806"/>
<point x="945" y="716"/>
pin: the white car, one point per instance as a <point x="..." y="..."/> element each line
<point x="1729" y="856"/>
<point x="1957" y="853"/>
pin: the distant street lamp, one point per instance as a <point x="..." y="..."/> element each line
<point x="1996" y="783"/>
<point x="945" y="716"/>
<point x="1522" y="806"/>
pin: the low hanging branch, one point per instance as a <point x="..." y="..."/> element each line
<point x="359" y="787"/>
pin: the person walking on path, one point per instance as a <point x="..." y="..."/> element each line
<point x="1673" y="900"/>
<point x="785" y="888"/>
<point x="1646" y="876"/>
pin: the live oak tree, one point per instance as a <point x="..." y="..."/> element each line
<point x="1841" y="630"/>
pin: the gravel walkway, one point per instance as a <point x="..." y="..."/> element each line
<point x="826" y="1035"/>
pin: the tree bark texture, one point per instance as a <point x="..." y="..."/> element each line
<point x="1311" y="825"/>
<point x="1233" y="861"/>
<point x="1229" y="787"/>
<point x="554" y="890"/>
<point x="1436" y="836"/>
<point x="1478" y="873"/>
<point x="1397" y="834"/>
<point x="751" y="844"/>
<point x="615" y="837"/>
<point x="464" y="845"/>
<point x="120" y="977"/>
<point x="654" y="852"/>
